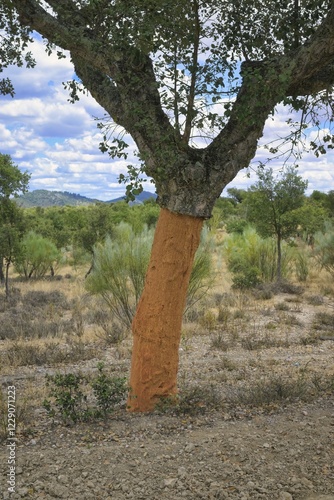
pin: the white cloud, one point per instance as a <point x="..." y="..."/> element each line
<point x="58" y="142"/>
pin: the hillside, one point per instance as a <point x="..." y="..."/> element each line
<point x="45" y="198"/>
<point x="140" y="198"/>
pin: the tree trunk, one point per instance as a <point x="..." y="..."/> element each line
<point x="7" y="279"/>
<point x="157" y="324"/>
<point x="2" y="275"/>
<point x="279" y="258"/>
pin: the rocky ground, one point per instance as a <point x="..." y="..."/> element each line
<point x="286" y="455"/>
<point x="260" y="427"/>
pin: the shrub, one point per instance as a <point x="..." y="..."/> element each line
<point x="69" y="399"/>
<point x="273" y="389"/>
<point x="236" y="226"/>
<point x="37" y="298"/>
<point x="252" y="259"/>
<point x="119" y="270"/>
<point x="202" y="274"/>
<point x="247" y="279"/>
<point x="109" y="392"/>
<point x="302" y="268"/>
<point x="324" y="248"/>
<point x="37" y="257"/>
<point x="70" y="393"/>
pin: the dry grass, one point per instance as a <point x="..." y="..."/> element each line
<point x="238" y="347"/>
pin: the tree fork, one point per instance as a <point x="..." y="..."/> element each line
<point x="157" y="324"/>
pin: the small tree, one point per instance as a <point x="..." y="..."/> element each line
<point x="11" y="230"/>
<point x="312" y="218"/>
<point x="252" y="259"/>
<point x="271" y="202"/>
<point x="38" y="255"/>
<point x="12" y="182"/>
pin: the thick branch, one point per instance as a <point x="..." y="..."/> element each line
<point x="312" y="66"/>
<point x="102" y="88"/>
<point x="67" y="36"/>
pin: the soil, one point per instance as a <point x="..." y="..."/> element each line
<point x="219" y="449"/>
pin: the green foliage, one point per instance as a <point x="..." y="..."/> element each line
<point x="69" y="400"/>
<point x="69" y="395"/>
<point x="272" y="205"/>
<point x="310" y="217"/>
<point x="79" y="228"/>
<point x="272" y="199"/>
<point x="109" y="391"/>
<point x="12" y="180"/>
<point x="324" y="248"/>
<point x="37" y="257"/>
<point x="119" y="270"/>
<point x="120" y="265"/>
<point x="236" y="225"/>
<point x="248" y="278"/>
<point x="202" y="274"/>
<point x="252" y="259"/>
<point x="302" y="266"/>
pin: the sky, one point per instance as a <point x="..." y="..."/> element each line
<point x="58" y="142"/>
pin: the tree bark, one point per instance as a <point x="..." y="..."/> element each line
<point x="2" y="275"/>
<point x="279" y="257"/>
<point x="7" y="279"/>
<point x="158" y="320"/>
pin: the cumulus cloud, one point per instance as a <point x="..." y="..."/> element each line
<point x="58" y="142"/>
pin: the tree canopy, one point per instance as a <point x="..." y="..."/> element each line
<point x="12" y="180"/>
<point x="192" y="82"/>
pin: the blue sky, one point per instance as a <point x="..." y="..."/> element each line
<point x="57" y="142"/>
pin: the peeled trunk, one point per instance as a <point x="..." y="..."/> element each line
<point x="158" y="320"/>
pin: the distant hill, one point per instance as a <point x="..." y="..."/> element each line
<point x="45" y="198"/>
<point x="140" y="198"/>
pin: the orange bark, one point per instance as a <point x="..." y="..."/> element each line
<point x="157" y="324"/>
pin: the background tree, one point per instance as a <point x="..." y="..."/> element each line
<point x="169" y="72"/>
<point x="37" y="256"/>
<point x="311" y="218"/>
<point x="12" y="228"/>
<point x="271" y="204"/>
<point x="12" y="183"/>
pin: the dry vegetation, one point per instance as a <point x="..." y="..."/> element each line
<point x="240" y="352"/>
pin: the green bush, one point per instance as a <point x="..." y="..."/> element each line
<point x="324" y="248"/>
<point x="37" y="257"/>
<point x="302" y="267"/>
<point x="120" y="265"/>
<point x="249" y="278"/>
<point x="109" y="391"/>
<point x="236" y="226"/>
<point x="69" y="400"/>
<point x="119" y="269"/>
<point x="252" y="259"/>
<point x="70" y="392"/>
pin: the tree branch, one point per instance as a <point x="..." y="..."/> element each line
<point x="102" y="89"/>
<point x="68" y="36"/>
<point x="194" y="63"/>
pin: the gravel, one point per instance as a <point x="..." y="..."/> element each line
<point x="284" y="456"/>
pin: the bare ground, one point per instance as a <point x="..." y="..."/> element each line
<point x="255" y="419"/>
